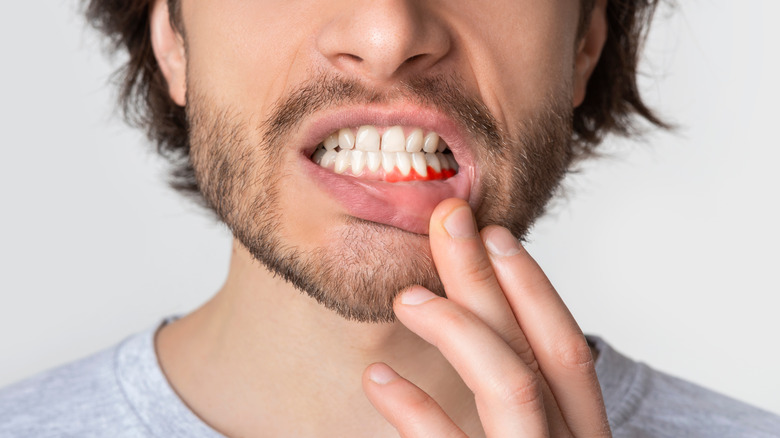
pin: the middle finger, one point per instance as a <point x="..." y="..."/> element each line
<point x="510" y="397"/>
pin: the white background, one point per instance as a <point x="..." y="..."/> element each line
<point x="668" y="248"/>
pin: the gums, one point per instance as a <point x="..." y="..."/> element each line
<point x="397" y="176"/>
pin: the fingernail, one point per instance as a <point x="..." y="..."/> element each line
<point x="460" y="223"/>
<point x="382" y="374"/>
<point x="500" y="242"/>
<point x="417" y="295"/>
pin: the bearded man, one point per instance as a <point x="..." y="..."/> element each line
<point x="377" y="163"/>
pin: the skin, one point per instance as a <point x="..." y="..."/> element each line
<point x="501" y="356"/>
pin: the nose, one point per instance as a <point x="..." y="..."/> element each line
<point x="384" y="40"/>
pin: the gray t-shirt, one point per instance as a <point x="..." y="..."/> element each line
<point x="121" y="393"/>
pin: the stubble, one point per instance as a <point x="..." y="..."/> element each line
<point x="521" y="166"/>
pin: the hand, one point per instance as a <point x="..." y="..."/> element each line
<point x="505" y="331"/>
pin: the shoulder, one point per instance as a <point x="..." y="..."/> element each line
<point x="643" y="402"/>
<point x="83" y="398"/>
<point x="676" y="404"/>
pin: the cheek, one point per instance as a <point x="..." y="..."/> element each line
<point x="245" y="56"/>
<point x="522" y="54"/>
<point x="244" y="52"/>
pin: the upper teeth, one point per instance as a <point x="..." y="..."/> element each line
<point x="346" y="149"/>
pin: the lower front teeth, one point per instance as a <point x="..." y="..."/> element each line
<point x="433" y="162"/>
<point x="404" y="162"/>
<point x="373" y="160"/>
<point x="419" y="164"/>
<point x="342" y="161"/>
<point x="388" y="161"/>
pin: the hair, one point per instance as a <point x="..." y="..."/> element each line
<point x="612" y="102"/>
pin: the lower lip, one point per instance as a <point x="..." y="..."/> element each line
<point x="404" y="205"/>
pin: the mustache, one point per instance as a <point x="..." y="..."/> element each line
<point x="324" y="91"/>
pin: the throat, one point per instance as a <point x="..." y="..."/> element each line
<point x="300" y="365"/>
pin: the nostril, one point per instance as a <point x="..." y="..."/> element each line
<point x="351" y="57"/>
<point x="414" y="58"/>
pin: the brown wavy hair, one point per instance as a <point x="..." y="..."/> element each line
<point x="612" y="103"/>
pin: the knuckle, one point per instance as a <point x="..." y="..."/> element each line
<point x="533" y="365"/>
<point x="524" y="351"/>
<point x="522" y="392"/>
<point x="574" y="354"/>
<point x="480" y="272"/>
<point x="457" y="321"/>
<point x="516" y="339"/>
<point x="418" y="405"/>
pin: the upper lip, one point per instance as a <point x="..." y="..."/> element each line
<point x="320" y="125"/>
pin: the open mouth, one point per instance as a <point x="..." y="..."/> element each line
<point x="389" y="165"/>
<point x="396" y="155"/>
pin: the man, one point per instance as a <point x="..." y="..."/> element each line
<point x="305" y="124"/>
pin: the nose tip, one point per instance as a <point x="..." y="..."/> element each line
<point x="382" y="40"/>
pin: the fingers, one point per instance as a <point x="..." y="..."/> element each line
<point x="508" y="394"/>
<point x="467" y="274"/>
<point x="408" y="408"/>
<point x="496" y="279"/>
<point x="557" y="341"/>
<point x="502" y="318"/>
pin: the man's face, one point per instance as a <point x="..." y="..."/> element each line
<point x="269" y="81"/>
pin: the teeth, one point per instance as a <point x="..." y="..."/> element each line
<point x="318" y="154"/>
<point x="358" y="159"/>
<point x="328" y="159"/>
<point x="393" y="140"/>
<point x="373" y="161"/>
<point x="433" y="162"/>
<point x="431" y="142"/>
<point x="445" y="163"/>
<point x="388" y="161"/>
<point x="346" y="139"/>
<point x="419" y="164"/>
<point x="367" y="139"/>
<point x="403" y="162"/>
<point x="331" y="142"/>
<point x="346" y="150"/>
<point x="342" y="161"/>
<point x="453" y="164"/>
<point x="414" y="143"/>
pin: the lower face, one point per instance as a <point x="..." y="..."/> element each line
<point x="330" y="180"/>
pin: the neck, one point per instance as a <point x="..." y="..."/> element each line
<point x="262" y="356"/>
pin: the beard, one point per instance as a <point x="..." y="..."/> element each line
<point x="238" y="171"/>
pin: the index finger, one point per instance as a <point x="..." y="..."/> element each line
<point x="467" y="274"/>
<point x="560" y="347"/>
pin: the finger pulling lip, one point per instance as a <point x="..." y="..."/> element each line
<point x="404" y="205"/>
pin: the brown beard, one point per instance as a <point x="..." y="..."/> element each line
<point x="360" y="278"/>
